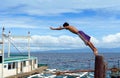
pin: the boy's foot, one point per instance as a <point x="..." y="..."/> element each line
<point x="95" y="53"/>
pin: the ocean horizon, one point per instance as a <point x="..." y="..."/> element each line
<point x="84" y="50"/>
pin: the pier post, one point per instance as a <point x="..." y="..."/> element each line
<point x="100" y="68"/>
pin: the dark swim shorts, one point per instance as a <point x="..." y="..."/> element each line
<point x="85" y="36"/>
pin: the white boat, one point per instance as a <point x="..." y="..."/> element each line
<point x="15" y="65"/>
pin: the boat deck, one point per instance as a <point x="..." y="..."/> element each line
<point x="23" y="75"/>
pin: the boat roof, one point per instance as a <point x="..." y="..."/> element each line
<point x="17" y="59"/>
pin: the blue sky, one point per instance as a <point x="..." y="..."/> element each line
<point x="98" y="18"/>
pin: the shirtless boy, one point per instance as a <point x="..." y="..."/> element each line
<point x="81" y="34"/>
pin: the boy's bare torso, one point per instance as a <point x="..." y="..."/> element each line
<point x="71" y="29"/>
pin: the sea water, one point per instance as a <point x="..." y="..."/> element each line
<point x="76" y="61"/>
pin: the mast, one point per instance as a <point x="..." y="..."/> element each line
<point x="9" y="44"/>
<point x="29" y="45"/>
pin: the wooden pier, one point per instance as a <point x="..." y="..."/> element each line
<point x="100" y="67"/>
<point x="23" y="75"/>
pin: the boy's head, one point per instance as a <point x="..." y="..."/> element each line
<point x="65" y="24"/>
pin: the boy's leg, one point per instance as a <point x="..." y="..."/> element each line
<point x="89" y="44"/>
<point x="93" y="48"/>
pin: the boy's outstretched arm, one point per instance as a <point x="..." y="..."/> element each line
<point x="59" y="28"/>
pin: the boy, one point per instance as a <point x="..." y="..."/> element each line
<point x="81" y="34"/>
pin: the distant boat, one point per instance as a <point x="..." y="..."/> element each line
<point x="17" y="65"/>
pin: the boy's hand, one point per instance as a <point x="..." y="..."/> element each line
<point x="51" y="28"/>
<point x="59" y="28"/>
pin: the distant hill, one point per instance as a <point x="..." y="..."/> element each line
<point x="86" y="50"/>
<point x="101" y="50"/>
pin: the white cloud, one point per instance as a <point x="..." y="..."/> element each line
<point x="57" y="42"/>
<point x="111" y="41"/>
<point x="114" y="38"/>
<point x="50" y="7"/>
<point x="44" y="43"/>
<point x="69" y="42"/>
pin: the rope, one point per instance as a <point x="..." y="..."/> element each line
<point x="15" y="46"/>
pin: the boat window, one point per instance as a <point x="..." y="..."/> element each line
<point x="13" y="65"/>
<point x="30" y="62"/>
<point x="24" y="63"/>
<point x="9" y="66"/>
<point x="5" y="66"/>
<point x="35" y="61"/>
<point x="0" y="59"/>
<point x="16" y="64"/>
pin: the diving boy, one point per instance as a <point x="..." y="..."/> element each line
<point x="81" y="34"/>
